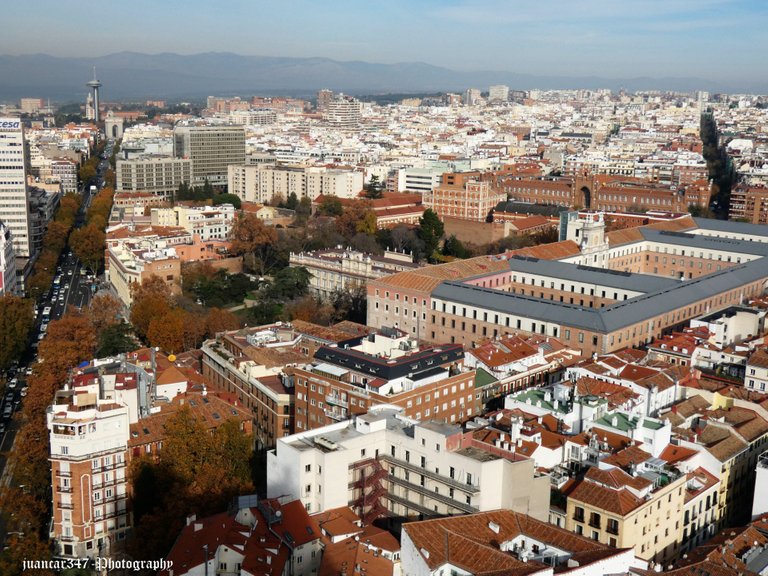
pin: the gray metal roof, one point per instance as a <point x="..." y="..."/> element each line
<point x="610" y="318"/>
<point x="730" y="226"/>
<point x="700" y="242"/>
<point x="590" y="275"/>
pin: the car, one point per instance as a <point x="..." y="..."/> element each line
<point x="41" y="336"/>
<point x="28" y="372"/>
<point x="2" y="427"/>
<point x="24" y="391"/>
<point x="7" y="411"/>
<point x="69" y="272"/>
<point x="13" y="383"/>
<point x="9" y="397"/>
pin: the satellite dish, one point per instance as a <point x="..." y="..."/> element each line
<point x="172" y="358"/>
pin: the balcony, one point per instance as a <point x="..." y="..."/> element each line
<point x="61" y="474"/>
<point x="335" y="415"/>
<point x="65" y="489"/>
<point x="65" y="506"/>
<point x="336" y="401"/>
<point x="593" y="524"/>
<point x="450" y="482"/>
<point x="578" y="517"/>
<point x="431" y="494"/>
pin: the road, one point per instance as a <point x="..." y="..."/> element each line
<point x="72" y="286"/>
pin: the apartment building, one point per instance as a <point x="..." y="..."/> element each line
<point x="504" y="541"/>
<point x="385" y="464"/>
<point x="260" y="536"/>
<point x="756" y="374"/>
<point x="211" y="149"/>
<point x="342" y="111"/>
<point x="132" y="262"/>
<point x="156" y="175"/>
<point x="346" y="269"/>
<point x="384" y="368"/>
<point x="639" y="510"/>
<point x="749" y="204"/>
<point x="262" y="182"/>
<point x="89" y="438"/>
<point x="205" y="222"/>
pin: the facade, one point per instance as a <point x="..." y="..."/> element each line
<point x="14" y="196"/>
<point x="342" y="112"/>
<point x="65" y="172"/>
<point x="624" y="510"/>
<point x="506" y="542"/>
<point x="467" y="200"/>
<point x="498" y="93"/>
<point x="211" y="149"/>
<point x="133" y="262"/>
<point x="205" y="222"/>
<point x="382" y="463"/>
<point x="756" y="375"/>
<point x="262" y="182"/>
<point x="749" y="204"/>
<point x="89" y="438"/>
<point x="345" y="269"/>
<point x="157" y="175"/>
<point x="7" y="261"/>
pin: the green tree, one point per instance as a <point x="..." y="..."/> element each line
<point x="233" y="199"/>
<point x="453" y="247"/>
<point x="290" y="283"/>
<point x="374" y="189"/>
<point x="115" y="339"/>
<point x="431" y="230"/>
<point x="292" y="202"/>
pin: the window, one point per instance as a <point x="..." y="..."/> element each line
<point x="308" y="468"/>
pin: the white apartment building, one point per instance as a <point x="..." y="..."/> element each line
<point x="157" y="175"/>
<point x="14" y="197"/>
<point x="498" y="93"/>
<point x="7" y="261"/>
<point x="382" y="463"/>
<point x="207" y="222"/>
<point x="756" y="374"/>
<point x="260" y="183"/>
<point x="89" y="441"/>
<point x="343" y="112"/>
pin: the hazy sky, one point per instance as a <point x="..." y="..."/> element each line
<point x="719" y="40"/>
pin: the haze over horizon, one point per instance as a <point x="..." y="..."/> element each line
<point x="719" y="40"/>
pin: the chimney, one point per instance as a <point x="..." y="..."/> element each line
<point x="494" y="527"/>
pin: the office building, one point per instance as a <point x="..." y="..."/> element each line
<point x="156" y="175"/>
<point x="14" y="196"/>
<point x="211" y="149"/>
<point x="263" y="182"/>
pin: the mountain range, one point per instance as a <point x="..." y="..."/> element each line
<point x="127" y="75"/>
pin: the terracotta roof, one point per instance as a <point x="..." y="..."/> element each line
<point x="429" y="277"/>
<point x="471" y="543"/>
<point x="673" y="454"/>
<point x="625" y="458"/>
<point x="344" y="556"/>
<point x="620" y="502"/>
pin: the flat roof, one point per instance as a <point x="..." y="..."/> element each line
<point x="731" y="226"/>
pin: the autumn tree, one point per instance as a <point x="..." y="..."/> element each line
<point x="151" y="299"/>
<point x="167" y="330"/>
<point x="219" y="320"/>
<point x="330" y="206"/>
<point x="16" y="319"/>
<point x="70" y="340"/>
<point x="104" y="311"/>
<point x="88" y="244"/>
<point x="252" y="238"/>
<point x="357" y="217"/>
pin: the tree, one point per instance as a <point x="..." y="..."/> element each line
<point x="292" y="202"/>
<point x="233" y="199"/>
<point x="453" y="247"/>
<point x="88" y="244"/>
<point x="16" y="319"/>
<point x="431" y="230"/>
<point x="357" y="217"/>
<point x="698" y="211"/>
<point x="375" y="188"/>
<point x="330" y="206"/>
<point x="167" y="330"/>
<point x="115" y="339"/>
<point x="290" y="283"/>
<point x="70" y="340"/>
<point x="104" y="311"/>
<point x="250" y="236"/>
<point x="218" y="320"/>
<point x="151" y="299"/>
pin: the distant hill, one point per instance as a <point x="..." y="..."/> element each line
<point x="128" y="75"/>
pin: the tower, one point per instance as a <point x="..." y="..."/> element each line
<point x="95" y="85"/>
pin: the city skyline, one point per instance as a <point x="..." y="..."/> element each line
<point x="597" y="38"/>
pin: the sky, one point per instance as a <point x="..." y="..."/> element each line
<point x="719" y="40"/>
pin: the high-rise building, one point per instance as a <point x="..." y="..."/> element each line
<point x="7" y="261"/>
<point x="158" y="175"/>
<point x="211" y="149"/>
<point x="14" y="196"/>
<point x="471" y="96"/>
<point x="323" y="98"/>
<point x="94" y="85"/>
<point x="343" y="112"/>
<point x="498" y="93"/>
<point x="31" y="105"/>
